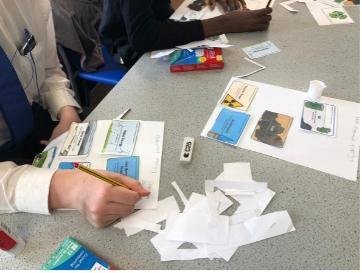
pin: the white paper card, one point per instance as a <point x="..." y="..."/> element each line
<point x="260" y="50"/>
<point x="325" y="14"/>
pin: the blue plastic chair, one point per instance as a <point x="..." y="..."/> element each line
<point x="109" y="74"/>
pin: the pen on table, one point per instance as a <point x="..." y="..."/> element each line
<point x="267" y="5"/>
<point x="123" y="114"/>
<point x="100" y="176"/>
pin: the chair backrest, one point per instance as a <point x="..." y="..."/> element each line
<point x="110" y="73"/>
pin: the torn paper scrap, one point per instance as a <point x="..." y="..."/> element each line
<point x="236" y="171"/>
<point x="169" y="249"/>
<point x="257" y="202"/>
<point x="199" y="202"/>
<point x="269" y="225"/>
<point x="164" y="209"/>
<point x="287" y="3"/>
<point x="194" y="226"/>
<point x="161" y="53"/>
<point x="133" y="224"/>
<point x="179" y="192"/>
<point x="254" y="187"/>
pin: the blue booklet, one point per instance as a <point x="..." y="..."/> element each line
<point x="126" y="165"/>
<point x="229" y="126"/>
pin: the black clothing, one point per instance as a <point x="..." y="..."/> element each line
<point x="76" y="28"/>
<point x="43" y="128"/>
<point x="131" y="27"/>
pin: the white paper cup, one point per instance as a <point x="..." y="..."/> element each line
<point x="315" y="89"/>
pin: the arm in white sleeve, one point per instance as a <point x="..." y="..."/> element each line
<point x="24" y="188"/>
<point x="55" y="90"/>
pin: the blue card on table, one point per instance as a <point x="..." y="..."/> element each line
<point x="229" y="126"/>
<point x="126" y="165"/>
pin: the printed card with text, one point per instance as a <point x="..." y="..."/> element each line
<point x="79" y="139"/>
<point x="126" y="165"/>
<point x="239" y="96"/>
<point x="261" y="50"/>
<point x="121" y="137"/>
<point x="319" y="118"/>
<point x="229" y="126"/>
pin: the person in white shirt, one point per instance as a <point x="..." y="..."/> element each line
<point x="29" y="189"/>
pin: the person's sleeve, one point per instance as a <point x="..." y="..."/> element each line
<point x="55" y="91"/>
<point x="145" y="32"/>
<point x="24" y="188"/>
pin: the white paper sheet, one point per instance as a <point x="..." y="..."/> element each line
<point x="258" y="4"/>
<point x="338" y="156"/>
<point x="321" y="10"/>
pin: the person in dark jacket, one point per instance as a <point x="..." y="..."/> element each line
<point x="131" y="27"/>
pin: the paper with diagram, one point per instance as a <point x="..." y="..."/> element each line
<point x="336" y="155"/>
<point x="129" y="147"/>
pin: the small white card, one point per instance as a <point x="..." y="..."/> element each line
<point x="79" y="139"/>
<point x="121" y="137"/>
<point x="260" y="50"/>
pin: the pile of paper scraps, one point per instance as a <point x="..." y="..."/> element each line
<point x="202" y="223"/>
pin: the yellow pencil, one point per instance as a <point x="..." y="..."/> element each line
<point x="100" y="176"/>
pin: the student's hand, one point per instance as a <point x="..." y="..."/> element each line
<point x="101" y="203"/>
<point x="238" y="21"/>
<point x="248" y="20"/>
<point x="227" y="5"/>
<point x="66" y="115"/>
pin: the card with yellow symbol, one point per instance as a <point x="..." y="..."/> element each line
<point x="239" y="96"/>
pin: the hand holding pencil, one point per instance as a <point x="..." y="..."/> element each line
<point x="101" y="202"/>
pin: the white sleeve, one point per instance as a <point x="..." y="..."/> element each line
<point x="56" y="93"/>
<point x="24" y="188"/>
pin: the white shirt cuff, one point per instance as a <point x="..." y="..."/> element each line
<point x="32" y="190"/>
<point x="57" y="99"/>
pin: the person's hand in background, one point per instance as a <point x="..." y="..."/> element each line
<point x="67" y="115"/>
<point x="238" y="21"/>
<point x="101" y="203"/>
